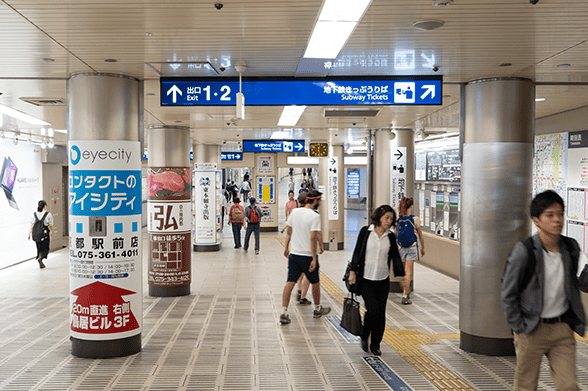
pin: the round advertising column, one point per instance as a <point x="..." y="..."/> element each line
<point x="169" y="210"/>
<point x="106" y="294"/>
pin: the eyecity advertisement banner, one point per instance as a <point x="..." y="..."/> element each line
<point x="169" y="225"/>
<point x="105" y="239"/>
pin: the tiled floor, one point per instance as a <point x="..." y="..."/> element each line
<point x="225" y="335"/>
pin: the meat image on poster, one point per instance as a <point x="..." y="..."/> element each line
<point x="169" y="226"/>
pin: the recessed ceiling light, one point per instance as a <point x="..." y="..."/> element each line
<point x="178" y="122"/>
<point x="505" y="64"/>
<point x="428" y="25"/>
<point x="148" y="34"/>
<point x="110" y="60"/>
<point x="564" y="65"/>
<point x="441" y="3"/>
<point x="539" y="99"/>
<point x="47" y="59"/>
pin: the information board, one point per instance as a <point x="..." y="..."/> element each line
<point x="443" y="166"/>
<point x="274" y="146"/>
<point x="392" y="90"/>
<point x="353" y="182"/>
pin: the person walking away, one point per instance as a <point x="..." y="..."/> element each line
<point x="253" y="214"/>
<point x="237" y="220"/>
<point x="302" y="242"/>
<point x="407" y="230"/>
<point x="41" y="231"/>
<point x="541" y="300"/>
<point x="226" y="198"/>
<point x="245" y="187"/>
<point x="291" y="185"/>
<point x="373" y="255"/>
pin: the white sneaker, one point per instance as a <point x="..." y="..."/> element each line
<point x="285" y="319"/>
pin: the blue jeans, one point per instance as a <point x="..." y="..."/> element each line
<point x="237" y="233"/>
<point x="255" y="229"/>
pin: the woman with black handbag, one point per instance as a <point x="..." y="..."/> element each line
<point x="374" y="253"/>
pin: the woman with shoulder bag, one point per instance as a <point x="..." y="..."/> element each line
<point x="374" y="253"/>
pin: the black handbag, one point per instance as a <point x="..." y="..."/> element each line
<point x="351" y="317"/>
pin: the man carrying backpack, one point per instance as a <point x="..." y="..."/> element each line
<point x="237" y="219"/>
<point x="253" y="214"/>
<point x="540" y="296"/>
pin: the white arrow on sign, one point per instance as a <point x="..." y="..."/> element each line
<point x="298" y="146"/>
<point x="430" y="90"/>
<point x="175" y="90"/>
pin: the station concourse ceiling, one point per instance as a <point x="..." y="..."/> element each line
<point x="44" y="42"/>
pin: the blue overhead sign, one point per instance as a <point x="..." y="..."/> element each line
<point x="231" y="156"/>
<point x="311" y="92"/>
<point x="273" y="146"/>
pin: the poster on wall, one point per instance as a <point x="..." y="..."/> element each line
<point x="22" y="189"/>
<point x="205" y="208"/>
<point x="420" y="166"/>
<point x="105" y="239"/>
<point x="169" y="225"/>
<point x="266" y="189"/>
<point x="550" y="163"/>
<point x="353" y="183"/>
<point x="397" y="176"/>
<point x="265" y="165"/>
<point x="267" y="213"/>
<point x="333" y="187"/>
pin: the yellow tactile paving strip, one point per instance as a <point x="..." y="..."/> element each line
<point x="405" y="343"/>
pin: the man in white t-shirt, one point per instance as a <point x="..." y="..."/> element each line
<point x="302" y="242"/>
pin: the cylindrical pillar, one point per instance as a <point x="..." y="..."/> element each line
<point x="496" y="191"/>
<point x="106" y="295"/>
<point x="381" y="179"/>
<point x="207" y="198"/>
<point x="169" y="222"/>
<point x="401" y="179"/>
<point x="331" y="176"/>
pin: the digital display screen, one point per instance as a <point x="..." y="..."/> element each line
<point x="9" y="171"/>
<point x="405" y="90"/>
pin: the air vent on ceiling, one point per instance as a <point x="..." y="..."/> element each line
<point x="45" y="101"/>
<point x="351" y="113"/>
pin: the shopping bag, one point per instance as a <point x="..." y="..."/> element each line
<point x="351" y="317"/>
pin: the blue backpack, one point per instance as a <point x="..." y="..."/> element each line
<point x="406" y="236"/>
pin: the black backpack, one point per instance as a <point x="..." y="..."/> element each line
<point x="569" y="243"/>
<point x="39" y="229"/>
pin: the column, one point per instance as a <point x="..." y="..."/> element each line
<point x="207" y="198"/>
<point x="401" y="179"/>
<point x="106" y="295"/>
<point x="169" y="206"/>
<point x="331" y="177"/>
<point x="496" y="192"/>
<point x="380" y="183"/>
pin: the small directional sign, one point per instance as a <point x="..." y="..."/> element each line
<point x="274" y="145"/>
<point x="398" y="154"/>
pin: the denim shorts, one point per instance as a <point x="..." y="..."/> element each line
<point x="409" y="253"/>
<point x="298" y="264"/>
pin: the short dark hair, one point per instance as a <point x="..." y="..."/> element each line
<point x="381" y="211"/>
<point x="302" y="198"/>
<point x="543" y="201"/>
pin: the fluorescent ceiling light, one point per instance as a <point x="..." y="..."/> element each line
<point x="291" y="115"/>
<point x="539" y="99"/>
<point x="335" y="24"/>
<point x="61" y="131"/>
<point x="22" y="116"/>
<point x="280" y="135"/>
<point x="344" y="10"/>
